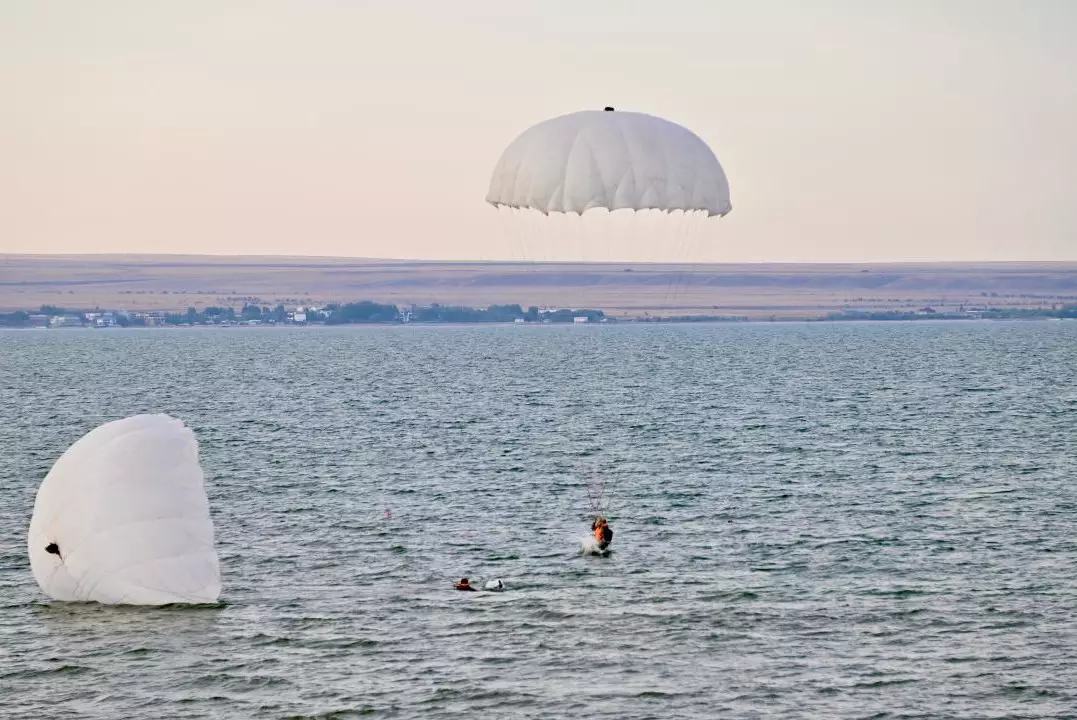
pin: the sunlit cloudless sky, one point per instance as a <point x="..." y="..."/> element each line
<point x="909" y="130"/>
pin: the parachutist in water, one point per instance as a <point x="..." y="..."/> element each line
<point x="603" y="532"/>
<point x="464" y="585"/>
<point x="54" y="549"/>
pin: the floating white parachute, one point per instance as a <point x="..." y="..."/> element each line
<point x="122" y="518"/>
<point x="612" y="160"/>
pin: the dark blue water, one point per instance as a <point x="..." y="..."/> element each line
<point x="812" y="520"/>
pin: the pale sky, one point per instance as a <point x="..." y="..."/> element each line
<point x="910" y="130"/>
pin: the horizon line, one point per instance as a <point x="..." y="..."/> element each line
<point x="436" y="261"/>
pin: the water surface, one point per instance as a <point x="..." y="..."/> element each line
<point x="813" y="520"/>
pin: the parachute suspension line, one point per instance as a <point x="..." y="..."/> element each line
<point x="528" y="235"/>
<point x="537" y="237"/>
<point x="652" y="244"/>
<point x="638" y="235"/>
<point x="523" y="222"/>
<point x="654" y="232"/>
<point x="537" y="249"/>
<point x="518" y="228"/>
<point x="695" y="249"/>
<point x="690" y="261"/>
<point x="673" y="265"/>
<point x="684" y="257"/>
<point x="504" y="216"/>
<point x="656" y="235"/>
<point x="508" y="223"/>
<point x="520" y="224"/>
<point x="603" y="241"/>
<point x="581" y="231"/>
<point x="696" y="242"/>
<point x="610" y="231"/>
<point x="697" y="225"/>
<point x="622" y="239"/>
<point x="669" y="262"/>
<point x="596" y="495"/>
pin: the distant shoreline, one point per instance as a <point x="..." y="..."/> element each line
<point x="624" y="291"/>
<point x="501" y="323"/>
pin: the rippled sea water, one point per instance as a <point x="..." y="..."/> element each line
<point x="812" y="520"/>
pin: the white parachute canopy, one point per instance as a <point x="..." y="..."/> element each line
<point x="612" y="160"/>
<point x="122" y="518"/>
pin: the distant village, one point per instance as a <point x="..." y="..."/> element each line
<point x="368" y="312"/>
<point x="332" y="314"/>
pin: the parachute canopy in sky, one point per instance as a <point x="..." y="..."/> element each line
<point x="612" y="160"/>
<point x="122" y="518"/>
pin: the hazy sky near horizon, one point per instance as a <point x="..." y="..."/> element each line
<point x="907" y="130"/>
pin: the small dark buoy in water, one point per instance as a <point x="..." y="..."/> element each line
<point x="609" y="109"/>
<point x="54" y="549"/>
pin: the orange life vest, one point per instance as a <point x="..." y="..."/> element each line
<point x="598" y="532"/>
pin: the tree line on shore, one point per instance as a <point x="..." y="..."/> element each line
<point x="364" y="311"/>
<point x="368" y="312"/>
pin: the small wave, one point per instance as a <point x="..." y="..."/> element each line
<point x="140" y="651"/>
<point x="16" y="606"/>
<point x="336" y="714"/>
<point x="729" y="595"/>
<point x="885" y="683"/>
<point x="342" y="644"/>
<point x="903" y="593"/>
<point x="71" y="670"/>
